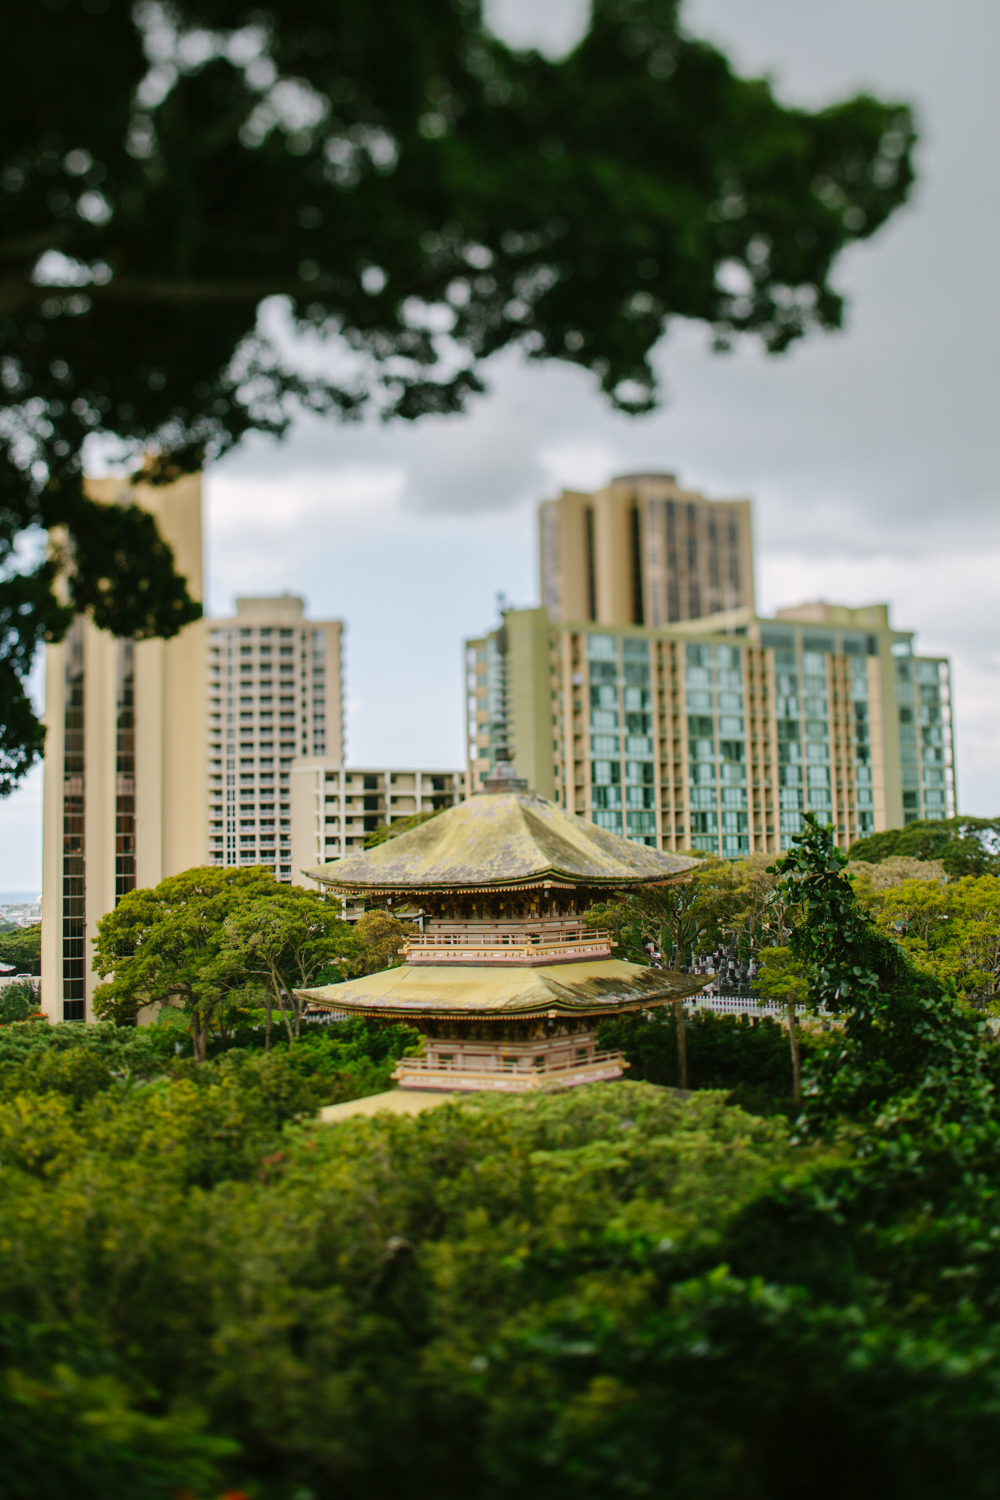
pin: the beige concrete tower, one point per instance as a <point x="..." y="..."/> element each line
<point x="644" y="551"/>
<point x="274" y="695"/>
<point x="124" y="800"/>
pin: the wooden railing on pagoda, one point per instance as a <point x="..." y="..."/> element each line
<point x="524" y="944"/>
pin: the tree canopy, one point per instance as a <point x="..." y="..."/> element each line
<point x="393" y="181"/>
<point x="22" y="947"/>
<point x="963" y="846"/>
<point x="213" y="942"/>
<point x="612" y="1289"/>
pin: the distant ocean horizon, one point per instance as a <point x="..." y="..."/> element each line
<point x="12" y="898"/>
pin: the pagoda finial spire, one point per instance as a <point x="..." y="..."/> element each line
<point x="503" y="777"/>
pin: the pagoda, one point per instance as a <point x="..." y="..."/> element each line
<point x="505" y="980"/>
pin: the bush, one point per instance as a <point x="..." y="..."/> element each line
<point x="724" y="1052"/>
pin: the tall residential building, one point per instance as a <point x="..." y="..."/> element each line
<point x="718" y="734"/>
<point x="335" y="807"/>
<point x="273" y="694"/>
<point x="163" y="755"/>
<point x="124" y="800"/>
<point x="643" y="551"/>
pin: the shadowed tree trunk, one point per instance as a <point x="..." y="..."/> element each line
<point x="793" y="1042"/>
<point x="682" y="1046"/>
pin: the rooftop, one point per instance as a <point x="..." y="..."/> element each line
<point x="504" y="841"/>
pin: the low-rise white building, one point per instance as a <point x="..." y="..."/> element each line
<point x="334" y="807"/>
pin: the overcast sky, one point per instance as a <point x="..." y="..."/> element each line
<point x="870" y="455"/>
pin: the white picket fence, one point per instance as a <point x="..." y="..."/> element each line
<point x="728" y="1004"/>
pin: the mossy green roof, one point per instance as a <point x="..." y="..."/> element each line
<point x="500" y="842"/>
<point x="600" y="987"/>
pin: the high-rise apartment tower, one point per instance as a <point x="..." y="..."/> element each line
<point x="273" y="695"/>
<point x="163" y="755"/>
<point x="124" y="793"/>
<point x="643" y="551"/>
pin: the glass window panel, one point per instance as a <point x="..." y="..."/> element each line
<point x="636" y="673"/>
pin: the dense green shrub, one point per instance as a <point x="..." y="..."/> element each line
<point x="346" y="1060"/>
<point x="723" y="1052"/>
<point x="617" y="1290"/>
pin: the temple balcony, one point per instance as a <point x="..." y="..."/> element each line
<point x="512" y="1067"/>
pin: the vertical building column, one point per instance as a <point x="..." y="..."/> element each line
<point x="613" y="555"/>
<point x="529" y="697"/>
<point x="185" y="751"/>
<point x="149" y="762"/>
<point x="887" y="796"/>
<point x="53" y="798"/>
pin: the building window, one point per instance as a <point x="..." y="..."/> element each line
<point x="125" y="773"/>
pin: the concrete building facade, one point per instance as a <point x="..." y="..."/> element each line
<point x="334" y="807"/>
<point x="718" y="734"/>
<point x="274" y="693"/>
<point x="124" y="800"/>
<point x="164" y="755"/>
<point x="644" y="551"/>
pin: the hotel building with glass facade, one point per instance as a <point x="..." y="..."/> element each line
<point x="718" y="734"/>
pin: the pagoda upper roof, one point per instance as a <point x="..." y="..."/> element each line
<point x="506" y="841"/>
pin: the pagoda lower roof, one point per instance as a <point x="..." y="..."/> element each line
<point x="501" y="842"/>
<point x="598" y="988"/>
